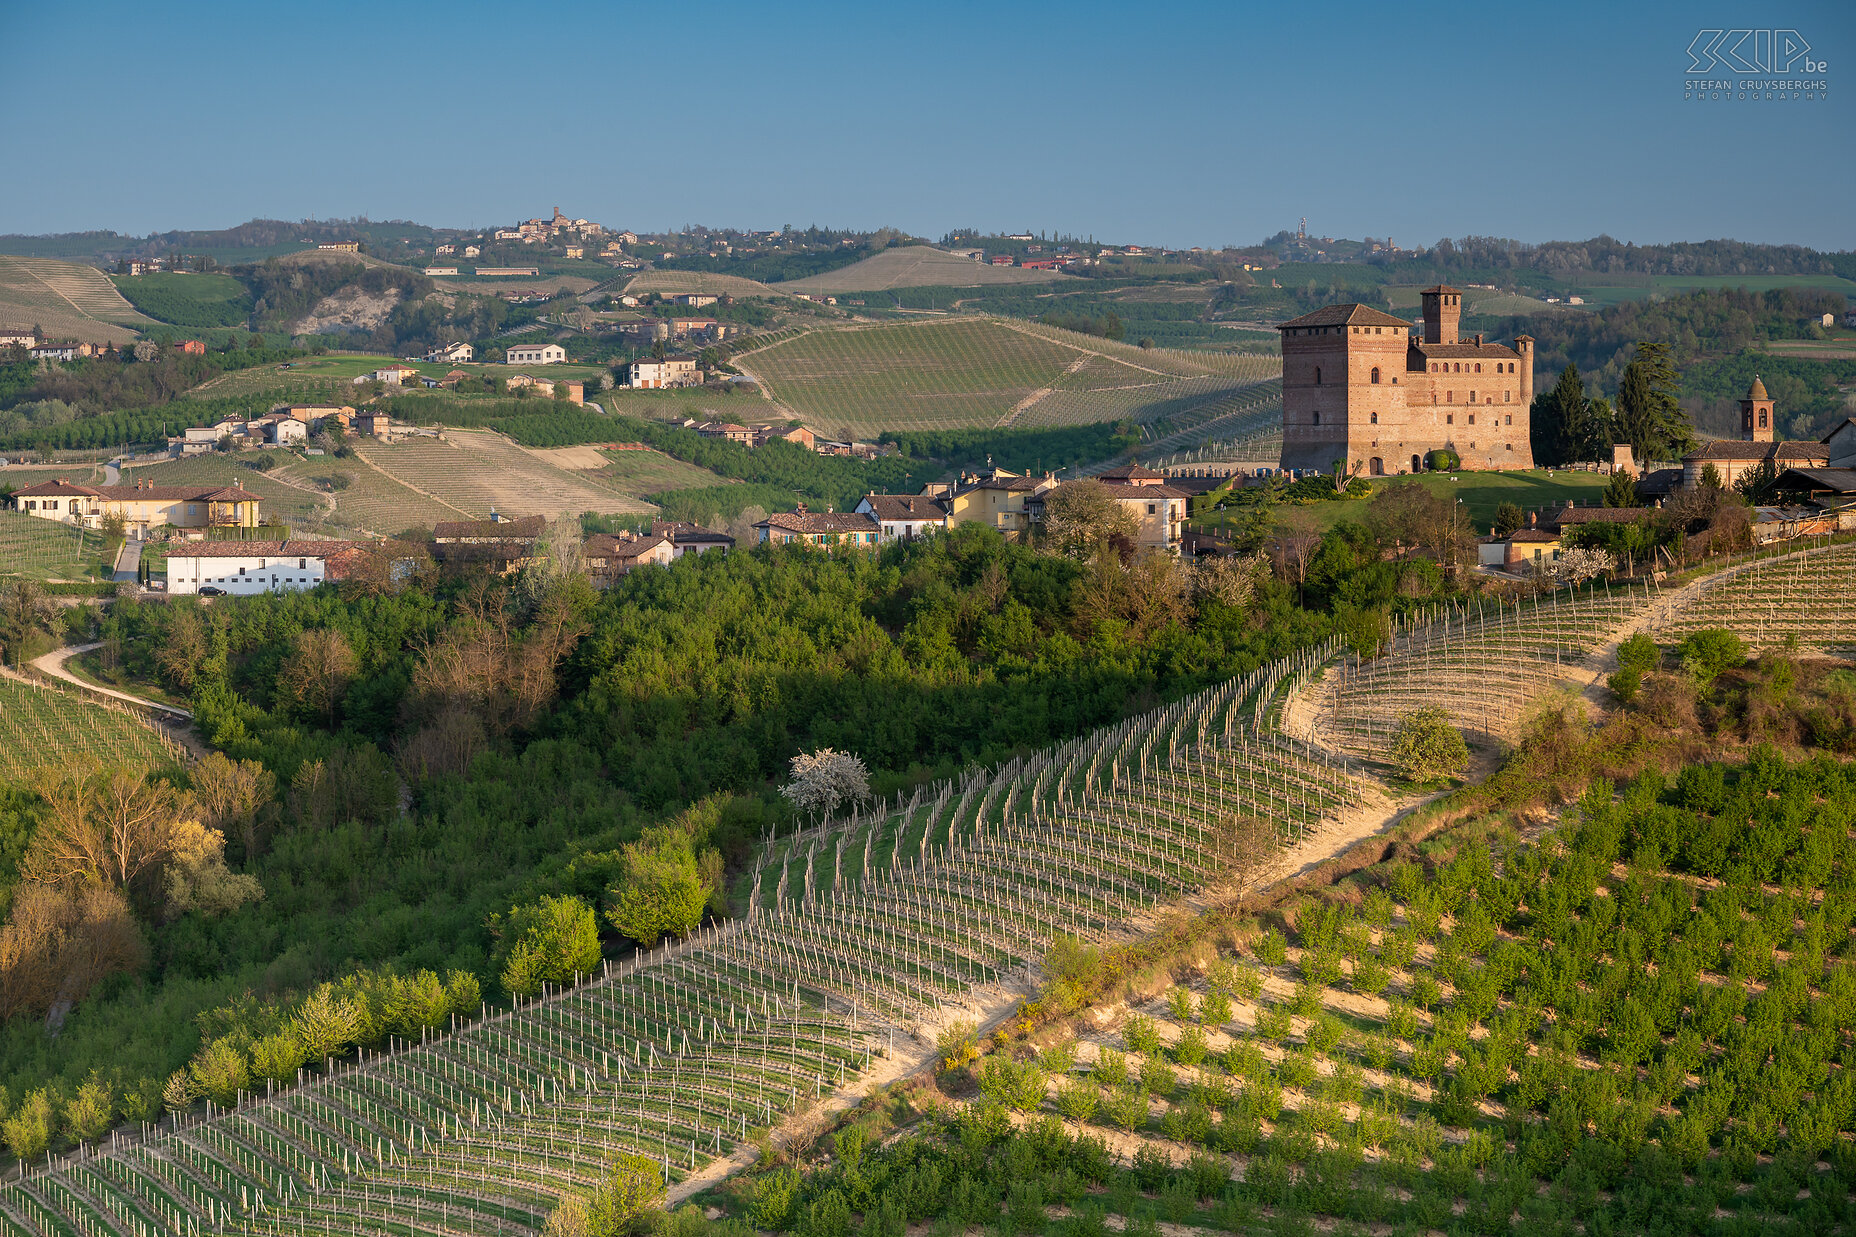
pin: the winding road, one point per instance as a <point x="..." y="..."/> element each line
<point x="53" y="662"/>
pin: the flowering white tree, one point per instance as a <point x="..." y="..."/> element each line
<point x="1581" y="565"/>
<point x="824" y="780"/>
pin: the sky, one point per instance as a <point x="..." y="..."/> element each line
<point x="1169" y="124"/>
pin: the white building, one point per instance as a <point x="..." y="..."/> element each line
<point x="656" y="375"/>
<point x="904" y="517"/>
<point x="536" y="354"/>
<point x="450" y="354"/>
<point x="244" y="568"/>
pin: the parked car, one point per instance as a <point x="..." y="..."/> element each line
<point x="212" y="591"/>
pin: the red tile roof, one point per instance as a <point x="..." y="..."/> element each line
<point x="819" y="522"/>
<point x="1345" y="315"/>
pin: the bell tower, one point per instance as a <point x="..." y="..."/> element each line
<point x="1756" y="414"/>
<point x="1443" y="312"/>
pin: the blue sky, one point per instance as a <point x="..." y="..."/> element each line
<point x="1172" y="124"/>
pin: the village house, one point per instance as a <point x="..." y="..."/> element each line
<point x="536" y="354"/>
<point x="798" y="435"/>
<point x="18" y="337"/>
<point x="140" y="506"/>
<point x="499" y="544"/>
<point x="244" y="568"/>
<point x="653" y="375"/>
<point x="802" y="527"/>
<point x="313" y="415"/>
<point x="444" y="251"/>
<point x="687" y="538"/>
<point x="340" y="246"/>
<point x="903" y="517"/>
<point x="695" y="300"/>
<point x="574" y="388"/>
<point x="727" y="430"/>
<point x="49" y="351"/>
<point x="995" y="497"/>
<point x="1157" y="509"/>
<point x="472" y="251"/>
<point x="609" y="556"/>
<point x="191" y="347"/>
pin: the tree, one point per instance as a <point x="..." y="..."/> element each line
<point x="197" y="876"/>
<point x="146" y="350"/>
<point x="28" y="1130"/>
<point x="1580" y="565"/>
<point x="1758" y="484"/>
<point x="26" y="614"/>
<point x="325" y="1023"/>
<point x="115" y="827"/>
<point x="59" y="942"/>
<point x="1622" y="491"/>
<point x="661" y="892"/>
<point x="1508" y="518"/>
<point x="1649" y="418"/>
<point x="1705" y="654"/>
<point x="229" y="795"/>
<point x="1294" y="541"/>
<point x="555" y="940"/>
<point x="825" y="780"/>
<point x="1426" y="746"/>
<point x="1082" y="517"/>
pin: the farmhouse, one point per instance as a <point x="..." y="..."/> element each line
<point x="536" y="354"/>
<point x="1158" y="509"/>
<point x="49" y="351"/>
<point x="695" y="300"/>
<point x="687" y="538"/>
<point x="996" y="497"/>
<point x="140" y="506"/>
<point x="489" y="272"/>
<point x="488" y="532"/>
<point x="340" y="246"/>
<point x="1359" y="387"/>
<point x="450" y="354"/>
<point x="727" y="430"/>
<point x="313" y="415"/>
<point x="798" y="435"/>
<point x="18" y="337"/>
<point x="575" y="390"/>
<point x="671" y="371"/>
<point x="242" y="568"/>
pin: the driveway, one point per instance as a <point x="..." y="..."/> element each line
<point x="53" y="664"/>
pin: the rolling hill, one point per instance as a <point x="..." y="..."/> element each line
<point x="66" y="300"/>
<point x="952" y="373"/>
<point x="913" y="266"/>
<point x="672" y="282"/>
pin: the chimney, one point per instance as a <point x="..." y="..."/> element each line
<point x="1478" y="339"/>
<point x="1533" y="519"/>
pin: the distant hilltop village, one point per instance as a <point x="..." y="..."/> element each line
<point x="1360" y="387"/>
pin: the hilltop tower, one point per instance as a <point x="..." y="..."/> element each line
<point x="1443" y="313"/>
<point x="1756" y="414"/>
<point x="1524" y="345"/>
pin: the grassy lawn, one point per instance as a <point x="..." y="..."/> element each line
<point x="47" y="550"/>
<point x="189" y="300"/>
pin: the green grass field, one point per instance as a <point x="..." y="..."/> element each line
<point x="46" y="550"/>
<point x="649" y="472"/>
<point x="1482" y="492"/>
<point x="950" y="373"/>
<point x="189" y="300"/>
<point x="45" y="726"/>
<point x="331" y="378"/>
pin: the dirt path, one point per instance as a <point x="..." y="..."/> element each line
<point x="53" y="662"/>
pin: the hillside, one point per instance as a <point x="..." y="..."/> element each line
<point x="65" y="300"/>
<point x="672" y="282"/>
<point x="967" y="372"/>
<point x="914" y="266"/>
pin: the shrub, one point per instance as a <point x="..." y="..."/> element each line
<point x="1273" y="1022"/>
<point x="957" y="1044"/>
<point x="1141" y="1035"/>
<point x="1271" y="949"/>
<point x="555" y="940"/>
<point x="1705" y="654"/>
<point x="1110" y="1069"/>
<point x="1443" y="460"/>
<point x="1427" y="747"/>
<point x="1215" y="1009"/>
<point x="1059" y="1059"/>
<point x="1078" y="1101"/>
<point x="1179" y="1001"/>
<point x="1157" y="1077"/>
<point x="28" y="1129"/>
<point x="1191" y="1047"/>
<point x="1126" y="1107"/>
<point x="1151" y="1168"/>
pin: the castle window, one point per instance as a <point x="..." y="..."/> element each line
<point x="1317" y="375"/>
<point x="1449" y="418"/>
<point x="1509" y="419"/>
<point x="1449" y="397"/>
<point x="1472" y="397"/>
<point x="1511" y="446"/>
<point x="1472" y="418"/>
<point x="1375" y="373"/>
<point x="1375" y="418"/>
<point x="1317" y="418"/>
<point x="1478" y="367"/>
<point x="1507" y="396"/>
<point x="1433" y="367"/>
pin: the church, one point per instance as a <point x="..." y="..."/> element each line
<point x="1758" y="443"/>
<point x="1358" y="385"/>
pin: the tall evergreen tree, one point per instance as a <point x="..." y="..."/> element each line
<point x="1649" y="418"/>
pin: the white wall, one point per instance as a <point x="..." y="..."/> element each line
<point x="262" y="574"/>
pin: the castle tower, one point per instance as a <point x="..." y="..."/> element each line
<point x="1524" y="344"/>
<point x="1756" y="414"/>
<point x="1443" y="312"/>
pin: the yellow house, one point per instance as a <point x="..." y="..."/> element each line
<point x="141" y="506"/>
<point x="997" y="500"/>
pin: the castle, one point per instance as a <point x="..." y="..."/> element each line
<point x="1359" y="386"/>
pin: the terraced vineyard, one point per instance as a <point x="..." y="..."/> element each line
<point x="66" y="300"/>
<point x="46" y="726"/>
<point x="1486" y="662"/>
<point x="44" y="549"/>
<point x="370" y="500"/>
<point x="857" y="931"/>
<point x="959" y="372"/>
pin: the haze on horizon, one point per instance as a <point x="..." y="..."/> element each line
<point x="1200" y="124"/>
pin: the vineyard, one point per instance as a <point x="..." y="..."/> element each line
<point x="860" y="936"/>
<point x="44" y="549"/>
<point x="953" y="373"/>
<point x="46" y="725"/>
<point x="915" y="266"/>
<point x="66" y="300"/>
